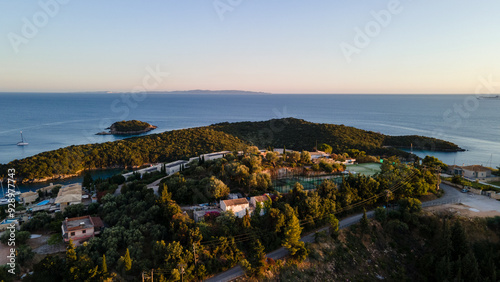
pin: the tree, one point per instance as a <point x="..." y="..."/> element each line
<point x="334" y="225"/>
<point x="364" y="221"/>
<point x="294" y="157"/>
<point x="272" y="157"/>
<point x="216" y="188"/>
<point x="257" y="258"/>
<point x="325" y="148"/>
<point x="292" y="233"/>
<point x="125" y="262"/>
<point x="87" y="181"/>
<point x="305" y="157"/>
<point x="104" y="265"/>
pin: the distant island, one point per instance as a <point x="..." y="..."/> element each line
<point x="130" y="127"/>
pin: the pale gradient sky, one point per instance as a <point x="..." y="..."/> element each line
<point x="272" y="46"/>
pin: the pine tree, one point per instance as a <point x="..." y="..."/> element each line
<point x="292" y="235"/>
<point x="334" y="226"/>
<point x="257" y="258"/>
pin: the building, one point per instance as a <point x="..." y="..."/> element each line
<point x="28" y="197"/>
<point x="476" y="172"/>
<point x="200" y="214"/>
<point x="471" y="171"/>
<point x="174" y="167"/>
<point x="349" y="161"/>
<point x="150" y="169"/>
<point x="319" y="155"/>
<point x="214" y="156"/>
<point x="81" y="228"/>
<point x="237" y="206"/>
<point x="455" y="170"/>
<point x="69" y="195"/>
<point x="259" y="199"/>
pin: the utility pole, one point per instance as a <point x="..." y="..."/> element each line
<point x="142" y="276"/>
<point x="182" y="265"/>
<point x="152" y="275"/>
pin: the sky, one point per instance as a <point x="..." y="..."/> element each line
<point x="277" y="46"/>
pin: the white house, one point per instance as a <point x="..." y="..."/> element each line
<point x="69" y="195"/>
<point x="214" y="156"/>
<point x="174" y="167"/>
<point x="237" y="206"/>
<point x="319" y="155"/>
<point x="349" y="161"/>
<point x="476" y="171"/>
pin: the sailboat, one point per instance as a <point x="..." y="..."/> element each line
<point x="22" y="143"/>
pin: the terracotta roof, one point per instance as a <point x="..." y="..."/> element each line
<point x="97" y="222"/>
<point x="476" y="168"/>
<point x="235" y="202"/>
<point x="262" y="198"/>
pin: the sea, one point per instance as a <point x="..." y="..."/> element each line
<point x="50" y="121"/>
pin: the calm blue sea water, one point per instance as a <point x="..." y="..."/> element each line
<point x="50" y="121"/>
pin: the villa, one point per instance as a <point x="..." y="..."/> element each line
<point x="237" y="206"/>
<point x="81" y="228"/>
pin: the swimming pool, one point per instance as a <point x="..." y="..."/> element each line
<point x="5" y="221"/>
<point x="42" y="203"/>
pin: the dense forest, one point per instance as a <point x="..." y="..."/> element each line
<point x="404" y="245"/>
<point x="303" y="135"/>
<point x="180" y="144"/>
<point x="128" y="126"/>
<point x="147" y="232"/>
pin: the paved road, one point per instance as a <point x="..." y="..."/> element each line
<point x="282" y="252"/>
<point x="153" y="186"/>
<point x="451" y="195"/>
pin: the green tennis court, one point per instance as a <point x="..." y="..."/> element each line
<point x="368" y="169"/>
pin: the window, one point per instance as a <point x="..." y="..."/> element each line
<point x="72" y="233"/>
<point x="84" y="231"/>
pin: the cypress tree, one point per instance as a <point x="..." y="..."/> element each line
<point x="104" y="265"/>
<point x="127" y="261"/>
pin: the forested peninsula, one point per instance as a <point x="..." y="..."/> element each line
<point x="291" y="133"/>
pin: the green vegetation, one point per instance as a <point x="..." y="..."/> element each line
<point x="426" y="247"/>
<point x="147" y="232"/>
<point x="181" y="144"/>
<point x="129" y="126"/>
<point x="163" y="147"/>
<point x="299" y="134"/>
<point x="457" y="179"/>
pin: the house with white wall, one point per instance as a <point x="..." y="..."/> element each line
<point x="174" y="167"/>
<point x="237" y="206"/>
<point x="476" y="172"/>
